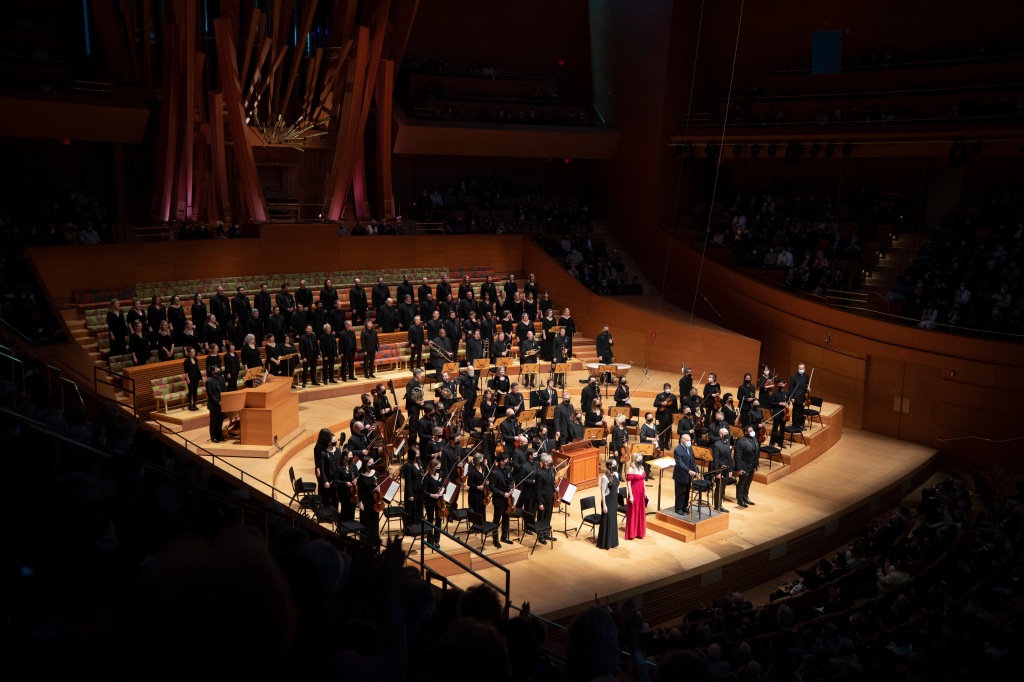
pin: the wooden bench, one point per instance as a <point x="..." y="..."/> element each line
<point x="173" y="388"/>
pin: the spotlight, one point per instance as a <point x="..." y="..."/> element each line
<point x="830" y="149"/>
<point x="847" y="149"/>
<point x="772" y="149"/>
<point x="815" y="148"/>
<point x="755" y="149"/>
<point x="737" y="150"/>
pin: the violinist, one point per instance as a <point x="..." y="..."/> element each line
<point x="367" y="485"/>
<point x="649" y="431"/>
<point x="499" y="480"/>
<point x="545" y="495"/>
<point x="622" y="393"/>
<point x="765" y="385"/>
<point x="347" y="485"/>
<point x="619" y="437"/>
<point x="433" y="489"/>
<point x="476" y="478"/>
<point x="746" y="394"/>
<point x="589" y="392"/>
<point x="747" y="460"/>
<point x="509" y="429"/>
<point x="666" y="405"/>
<point x="686" y="425"/>
<point x="381" y="405"/>
<point x="369" y="413"/>
<point x="693" y="401"/>
<point x="412" y="488"/>
<point x="778" y="403"/>
<point x="431" y="449"/>
<point x="686" y="383"/>
<point x="716" y="426"/>
<point x="729" y="409"/>
<point x="514" y="399"/>
<point x="358" y="443"/>
<point x="799" y="384"/>
<point x="754" y="417"/>
<point x="446" y="391"/>
<point x="712" y="396"/>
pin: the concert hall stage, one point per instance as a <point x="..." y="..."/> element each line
<point x="797" y="518"/>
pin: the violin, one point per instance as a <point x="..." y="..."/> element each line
<point x="353" y="497"/>
<point x="762" y="434"/>
<point x="807" y="394"/>
<point x="718" y="401"/>
<point x="487" y="493"/>
<point x="379" y="503"/>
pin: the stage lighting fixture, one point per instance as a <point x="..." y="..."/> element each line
<point x="847" y="149"/>
<point x="830" y="149"/>
<point x="772" y="149"/>
<point x="755" y="149"/>
<point x="815" y="148"/>
<point x="737" y="150"/>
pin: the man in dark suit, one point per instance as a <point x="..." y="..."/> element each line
<point x="329" y="351"/>
<point x="416" y="342"/>
<point x="545" y="494"/>
<point x="347" y="349"/>
<point x="746" y="464"/>
<point x="587" y="395"/>
<point x="685" y="471"/>
<point x="423" y="291"/>
<point x="357" y="301"/>
<point x="262" y="302"/>
<point x="387" y="316"/>
<point x="214" y="388"/>
<point x="370" y="343"/>
<point x="412" y="405"/>
<point x="286" y="302"/>
<point x="499" y="480"/>
<point x="721" y="462"/>
<point x="604" y="346"/>
<point x="239" y="306"/>
<point x="563" y="418"/>
<point x="220" y="307"/>
<point x="380" y="293"/>
<point x="309" y="350"/>
<point x="509" y="430"/>
<point x="799" y="383"/>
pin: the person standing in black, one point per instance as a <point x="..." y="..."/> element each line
<point x="475" y="482"/>
<point x="380" y="293"/>
<point x="412" y="488"/>
<point x="286" y="302"/>
<point x="404" y="289"/>
<point x="474" y="347"/>
<point x="499" y="481"/>
<point x="407" y="312"/>
<point x="309" y="351"/>
<point x="423" y="292"/>
<point x="273" y="356"/>
<point x="347" y="349"/>
<point x="443" y="290"/>
<point x="746" y="394"/>
<point x="329" y="296"/>
<point x="432" y="492"/>
<point x="587" y="395"/>
<point x="778" y="401"/>
<point x="608" y="530"/>
<point x="799" y="383"/>
<point x="240" y="305"/>
<point x="276" y="324"/>
<point x="765" y="384"/>
<point x="220" y="306"/>
<point x="368" y="516"/>
<point x="721" y="464"/>
<point x="254" y="325"/>
<point x="263" y="303"/>
<point x="347" y="483"/>
<point x="176" y="316"/>
<point x="569" y="325"/>
<point x="330" y="472"/>
<point x="193" y="377"/>
<point x="604" y="346"/>
<point x="414" y="404"/>
<point x="685" y="383"/>
<point x="214" y="388"/>
<point x="683" y="474"/>
<point x="453" y="329"/>
<point x="666" y="406"/>
<point x="712" y="389"/>
<point x="545" y="492"/>
<point x="746" y="464"/>
<point x="357" y="301"/>
<point x="328" y="351"/>
<point x="117" y="328"/>
<point x="370" y="343"/>
<point x="232" y="366"/>
<point x="387" y="316"/>
<point x="563" y="419"/>
<point x="440" y="352"/>
<point x="304" y="295"/>
<point x="528" y="351"/>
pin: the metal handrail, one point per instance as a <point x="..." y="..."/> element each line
<point x="116" y="387"/>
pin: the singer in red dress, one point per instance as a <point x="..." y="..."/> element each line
<point x="636" y="499"/>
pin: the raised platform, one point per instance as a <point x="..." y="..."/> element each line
<point x="234" y="448"/>
<point x="688" y="528"/>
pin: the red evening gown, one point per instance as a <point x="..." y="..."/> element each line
<point x="636" y="512"/>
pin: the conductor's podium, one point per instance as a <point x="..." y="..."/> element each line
<point x="267" y="412"/>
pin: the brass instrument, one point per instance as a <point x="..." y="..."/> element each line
<point x="531" y="353"/>
<point x="416" y="393"/>
<point x="565" y="353"/>
<point x="444" y="392"/>
<point x="446" y="354"/>
<point x="487" y="347"/>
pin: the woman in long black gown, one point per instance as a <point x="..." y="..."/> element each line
<point x="608" y="531"/>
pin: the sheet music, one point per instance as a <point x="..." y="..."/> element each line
<point x="391" y="491"/>
<point x="450" y="491"/>
<point x="663" y="462"/>
<point x="570" y="492"/>
<point x="359" y="465"/>
<point x="516" y="492"/>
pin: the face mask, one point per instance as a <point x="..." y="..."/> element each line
<point x="766" y="372"/>
<point x="800" y="371"/>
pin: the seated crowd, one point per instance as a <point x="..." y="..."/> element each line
<point x="968" y="272"/>
<point x="602" y="272"/>
<point x="32" y="214"/>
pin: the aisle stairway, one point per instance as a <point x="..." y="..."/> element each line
<point x="894" y="263"/>
<point x="602" y="232"/>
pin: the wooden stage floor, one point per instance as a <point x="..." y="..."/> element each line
<point x="560" y="578"/>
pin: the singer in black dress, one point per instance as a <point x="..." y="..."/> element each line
<point x="608" y="531"/>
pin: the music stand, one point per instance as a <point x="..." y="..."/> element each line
<point x="527" y="415"/>
<point x="253" y="373"/>
<point x="549" y="413"/>
<point x="595" y="434"/>
<point x="451" y="367"/>
<point x="605" y="374"/>
<point x="561" y="368"/>
<point x="481" y="365"/>
<point x="662" y="463"/>
<point x="565" y="492"/>
<point x="502" y="362"/>
<point x="625" y="410"/>
<point x="528" y="374"/>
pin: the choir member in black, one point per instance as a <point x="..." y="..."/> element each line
<point x="329" y="296"/>
<point x="510" y="286"/>
<point x="328" y="351"/>
<point x="414" y="404"/>
<point x="509" y="430"/>
<point x="487" y="332"/>
<point x="220" y="306"/>
<point x="240" y="305"/>
<point x="285" y="300"/>
<point x="213" y="332"/>
<point x="304" y="295"/>
<point x="747" y="461"/>
<point x="412" y="487"/>
<point x="500" y="383"/>
<point x="368" y="516"/>
<point x="136" y="312"/>
<point x="289" y="357"/>
<point x="453" y="329"/>
<point x="176" y="316"/>
<point x="746" y="394"/>
<point x="347" y="350"/>
<point x="545" y="494"/>
<point x="729" y="409"/>
<point x="507" y="323"/>
<point x="686" y="383"/>
<point x="721" y="462"/>
<point x="778" y="401"/>
<point x="188" y="338"/>
<point x="404" y="289"/>
<point x="475" y="482"/>
<point x="548" y="336"/>
<point x="433" y="326"/>
<point x="685" y="425"/>
<point x="117" y="328"/>
<point x="407" y="313"/>
<point x="370" y="344"/>
<point x="523" y="327"/>
<point x="309" y="351"/>
<point x="155" y="314"/>
<point x="214" y="388"/>
<point x="711" y="390"/>
<point x="604" y="346"/>
<point x="254" y="325"/>
<point x="429" y="311"/>
<point x="500" y="347"/>
<point x="528" y="351"/>
<point x="489" y="289"/>
<point x="563" y="419"/>
<point x="263" y="302"/>
<point x="273" y="356"/>
<point x="432" y="492"/>
<point x="467" y="305"/>
<point x="620" y="436"/>
<point x="276" y="324"/>
<point x="440" y="352"/>
<point x="444" y="289"/>
<point x="137" y="345"/>
<point x="470" y="324"/>
<point x="765" y="385"/>
<point x="474" y="347"/>
<point x="798" y="385"/>
<point x="232" y="367"/>
<point x="299" y="319"/>
<point x="666" y="406"/>
<point x="357" y="301"/>
<point x="193" y="377"/>
<point x="347" y="482"/>
<point x="387" y="316"/>
<point x="514" y="399"/>
<point x="465" y="287"/>
<point x="423" y="291"/>
<point x="569" y="325"/>
<point x="589" y="392"/>
<point x="499" y="481"/>
<point x="164" y="342"/>
<point x="212" y="359"/>
<point x="380" y="293"/>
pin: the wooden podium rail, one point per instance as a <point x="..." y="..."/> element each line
<point x="584" y="463"/>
